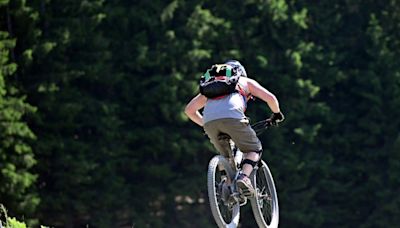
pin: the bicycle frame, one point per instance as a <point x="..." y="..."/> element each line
<point x="235" y="159"/>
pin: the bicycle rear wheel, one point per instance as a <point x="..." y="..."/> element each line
<point x="225" y="213"/>
<point x="265" y="203"/>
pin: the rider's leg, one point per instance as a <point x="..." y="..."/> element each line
<point x="248" y="168"/>
<point x="247" y="141"/>
<point x="222" y="145"/>
<point x="213" y="131"/>
<point x="243" y="181"/>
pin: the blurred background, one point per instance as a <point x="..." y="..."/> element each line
<point x="92" y="92"/>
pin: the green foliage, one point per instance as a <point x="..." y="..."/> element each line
<point x="14" y="223"/>
<point x="103" y="84"/>
<point x="8" y="222"/>
<point x="16" y="156"/>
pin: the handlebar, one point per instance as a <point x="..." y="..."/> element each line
<point x="260" y="126"/>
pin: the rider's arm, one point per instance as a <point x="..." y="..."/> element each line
<point x="259" y="91"/>
<point x="193" y="107"/>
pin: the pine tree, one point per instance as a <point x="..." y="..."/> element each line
<point x="80" y="147"/>
<point x="16" y="156"/>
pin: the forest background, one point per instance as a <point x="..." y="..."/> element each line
<point x="92" y="93"/>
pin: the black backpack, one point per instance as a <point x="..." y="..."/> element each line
<point x="220" y="80"/>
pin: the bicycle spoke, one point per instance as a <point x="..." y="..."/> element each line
<point x="264" y="199"/>
<point x="225" y="210"/>
<point x="264" y="206"/>
<point x="225" y="213"/>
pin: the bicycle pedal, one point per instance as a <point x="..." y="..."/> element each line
<point x="243" y="201"/>
<point x="246" y="193"/>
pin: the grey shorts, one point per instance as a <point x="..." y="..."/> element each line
<point x="241" y="133"/>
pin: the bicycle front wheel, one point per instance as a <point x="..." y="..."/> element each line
<point x="265" y="203"/>
<point x="220" y="174"/>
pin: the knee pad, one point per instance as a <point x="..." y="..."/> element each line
<point x="249" y="162"/>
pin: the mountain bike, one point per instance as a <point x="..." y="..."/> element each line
<point x="226" y="199"/>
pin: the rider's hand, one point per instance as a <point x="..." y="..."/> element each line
<point x="276" y="118"/>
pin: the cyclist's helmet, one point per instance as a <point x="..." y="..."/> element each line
<point x="238" y="66"/>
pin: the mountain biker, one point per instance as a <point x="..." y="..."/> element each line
<point x="226" y="115"/>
